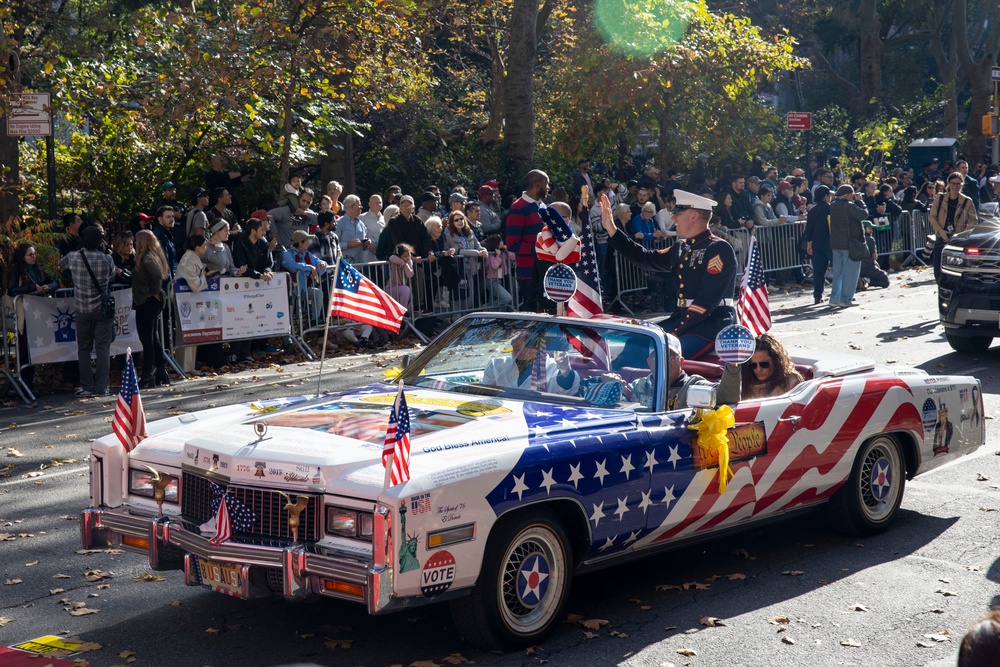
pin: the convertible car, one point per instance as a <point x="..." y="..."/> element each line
<point x="541" y="447"/>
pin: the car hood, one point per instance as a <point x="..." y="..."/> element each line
<point x="335" y="443"/>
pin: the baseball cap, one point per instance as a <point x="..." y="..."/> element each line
<point x="300" y="235"/>
<point x="260" y="214"/>
<point x="674" y="345"/>
<point x="168" y="185"/>
<point x="456" y="196"/>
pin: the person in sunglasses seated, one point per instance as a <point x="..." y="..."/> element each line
<point x="770" y="371"/>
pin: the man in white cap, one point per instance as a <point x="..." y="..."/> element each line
<point x="305" y="270"/>
<point x="703" y="270"/>
<point x="643" y="390"/>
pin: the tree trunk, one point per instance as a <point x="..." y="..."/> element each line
<point x="870" y="57"/>
<point x="10" y="166"/>
<point x="519" y="132"/>
<point x="494" y="127"/>
<point x="976" y="67"/>
<point x="663" y="153"/>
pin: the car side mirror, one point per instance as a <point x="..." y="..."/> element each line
<point x="407" y="358"/>
<point x="701" y="396"/>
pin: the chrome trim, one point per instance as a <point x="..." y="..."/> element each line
<point x="301" y="570"/>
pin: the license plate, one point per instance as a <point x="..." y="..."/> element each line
<point x="221" y="577"/>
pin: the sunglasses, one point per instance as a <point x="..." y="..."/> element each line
<point x="763" y="364"/>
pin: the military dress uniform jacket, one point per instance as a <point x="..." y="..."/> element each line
<point x="703" y="272"/>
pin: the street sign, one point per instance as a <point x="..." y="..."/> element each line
<point x="996" y="73"/>
<point x="798" y="120"/>
<point x="30" y="115"/>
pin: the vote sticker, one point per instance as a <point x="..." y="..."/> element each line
<point x="559" y="283"/>
<point x="735" y="344"/>
<point x="438" y="574"/>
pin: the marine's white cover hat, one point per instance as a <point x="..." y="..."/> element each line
<point x="687" y="200"/>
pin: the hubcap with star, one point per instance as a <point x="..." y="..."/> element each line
<point x="532" y="580"/>
<point x="881" y="479"/>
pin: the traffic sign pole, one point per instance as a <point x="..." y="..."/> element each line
<point x="50" y="158"/>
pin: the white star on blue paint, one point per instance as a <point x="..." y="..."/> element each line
<point x="608" y="543"/>
<point x="674" y="455"/>
<point x="602" y="471"/>
<point x="622" y="507"/>
<point x="598" y="514"/>
<point x="668" y="496"/>
<point x="627" y="466"/>
<point x="519" y="486"/>
<point x="651" y="460"/>
<point x="574" y="475"/>
<point x="646" y="502"/>
<point x="547" y="480"/>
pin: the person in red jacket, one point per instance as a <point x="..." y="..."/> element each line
<point x="523" y="224"/>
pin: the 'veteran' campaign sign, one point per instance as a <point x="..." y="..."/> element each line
<point x="798" y="120"/>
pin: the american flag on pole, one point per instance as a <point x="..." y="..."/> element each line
<point x="556" y="243"/>
<point x="753" y="309"/>
<point x="586" y="301"/>
<point x="231" y="515"/>
<point x="359" y="299"/>
<point x="223" y="525"/>
<point x="129" y="423"/>
<point x="538" y="367"/>
<point x="396" y="450"/>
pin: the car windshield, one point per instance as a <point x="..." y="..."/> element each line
<point x="542" y="361"/>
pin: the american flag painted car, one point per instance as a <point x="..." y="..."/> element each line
<point x="532" y="458"/>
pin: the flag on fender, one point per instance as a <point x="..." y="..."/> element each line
<point x="129" y="422"/>
<point x="753" y="309"/>
<point x="397" y="443"/>
<point x="359" y="299"/>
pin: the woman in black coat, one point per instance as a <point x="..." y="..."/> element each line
<point x="25" y="276"/>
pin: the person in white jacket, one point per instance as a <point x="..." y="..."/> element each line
<point x="520" y="369"/>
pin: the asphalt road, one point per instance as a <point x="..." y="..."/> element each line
<point x="802" y="594"/>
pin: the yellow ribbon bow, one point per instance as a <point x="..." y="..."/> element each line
<point x="712" y="434"/>
<point x="393" y="372"/>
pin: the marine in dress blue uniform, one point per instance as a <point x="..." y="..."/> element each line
<point x="703" y="270"/>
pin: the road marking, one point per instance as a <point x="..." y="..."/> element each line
<point x="43" y="476"/>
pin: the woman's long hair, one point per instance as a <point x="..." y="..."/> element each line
<point x="146" y="243"/>
<point x="783" y="366"/>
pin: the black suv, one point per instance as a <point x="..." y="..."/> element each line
<point x="969" y="287"/>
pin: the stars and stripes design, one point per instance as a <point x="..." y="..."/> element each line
<point x="359" y="299"/>
<point x="129" y="422"/>
<point x="231" y="515"/>
<point x="640" y="486"/>
<point x="586" y="301"/>
<point x="396" y="448"/>
<point x="556" y="243"/>
<point x="753" y="309"/>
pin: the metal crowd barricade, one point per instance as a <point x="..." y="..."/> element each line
<point x="13" y="311"/>
<point x="781" y="246"/>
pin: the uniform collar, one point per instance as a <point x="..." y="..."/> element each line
<point x="701" y="236"/>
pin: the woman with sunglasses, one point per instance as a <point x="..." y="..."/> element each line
<point x="770" y="371"/>
<point x="951" y="212"/>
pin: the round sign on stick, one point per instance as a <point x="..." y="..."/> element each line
<point x="559" y="283"/>
<point x="735" y="344"/>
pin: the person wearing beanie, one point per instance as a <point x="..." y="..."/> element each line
<point x="846" y="215"/>
<point x="817" y="238"/>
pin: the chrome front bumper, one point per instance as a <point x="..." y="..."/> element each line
<point x="303" y="573"/>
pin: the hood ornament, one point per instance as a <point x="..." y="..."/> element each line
<point x="160" y="483"/>
<point x="294" y="509"/>
<point x="260" y="428"/>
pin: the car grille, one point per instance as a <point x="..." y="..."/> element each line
<point x="268" y="505"/>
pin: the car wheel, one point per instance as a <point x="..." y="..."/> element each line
<point x="523" y="586"/>
<point x="867" y="503"/>
<point x="969" y="343"/>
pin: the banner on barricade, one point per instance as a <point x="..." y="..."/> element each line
<point x="50" y="325"/>
<point x="233" y="308"/>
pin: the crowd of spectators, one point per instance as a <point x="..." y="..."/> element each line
<point x="454" y="250"/>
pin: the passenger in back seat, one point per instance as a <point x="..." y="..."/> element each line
<point x="643" y="390"/>
<point x="770" y="371"/>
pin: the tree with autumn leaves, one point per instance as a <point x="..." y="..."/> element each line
<point x="414" y="92"/>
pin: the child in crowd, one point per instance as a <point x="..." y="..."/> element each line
<point x="400" y="272"/>
<point x="497" y="262"/>
<point x="290" y="193"/>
